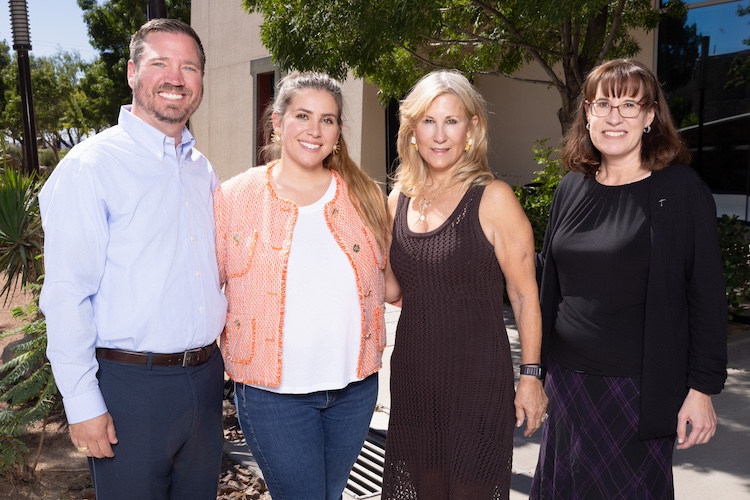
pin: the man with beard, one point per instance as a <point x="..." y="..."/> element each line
<point x="131" y="289"/>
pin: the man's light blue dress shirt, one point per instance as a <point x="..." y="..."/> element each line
<point x="129" y="254"/>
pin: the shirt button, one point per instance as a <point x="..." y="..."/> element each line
<point x="200" y="309"/>
<point x="187" y="203"/>
<point x="198" y="274"/>
<point x="192" y="239"/>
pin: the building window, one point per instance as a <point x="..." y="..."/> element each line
<point x="265" y="77"/>
<point x="704" y="65"/>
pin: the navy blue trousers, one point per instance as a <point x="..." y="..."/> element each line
<point x="168" y="422"/>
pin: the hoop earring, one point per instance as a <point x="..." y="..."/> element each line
<point x="337" y="148"/>
<point x="414" y="143"/>
<point x="275" y="137"/>
<point x="647" y="129"/>
<point x="469" y="144"/>
<point x="588" y="126"/>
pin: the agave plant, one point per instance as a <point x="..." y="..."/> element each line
<point x="21" y="236"/>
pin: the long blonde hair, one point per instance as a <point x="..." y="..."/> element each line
<point x="473" y="167"/>
<point x="364" y="193"/>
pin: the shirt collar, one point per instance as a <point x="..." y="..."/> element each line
<point x="151" y="138"/>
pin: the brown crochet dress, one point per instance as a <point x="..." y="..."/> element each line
<point x="450" y="434"/>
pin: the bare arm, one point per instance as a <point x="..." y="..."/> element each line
<point x="507" y="228"/>
<point x="392" y="288"/>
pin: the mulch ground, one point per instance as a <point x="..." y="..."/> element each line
<point x="56" y="471"/>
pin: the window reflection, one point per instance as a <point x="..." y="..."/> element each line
<point x="704" y="65"/>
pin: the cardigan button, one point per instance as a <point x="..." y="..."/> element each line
<point x="368" y="336"/>
<point x="369" y="292"/>
<point x="237" y="238"/>
<point x="355" y="248"/>
<point x="237" y="323"/>
<point x="335" y="211"/>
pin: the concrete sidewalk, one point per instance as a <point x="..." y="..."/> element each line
<point x="717" y="470"/>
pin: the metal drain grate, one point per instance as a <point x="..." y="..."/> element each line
<point x="366" y="477"/>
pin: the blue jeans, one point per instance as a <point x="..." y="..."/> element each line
<point x="306" y="444"/>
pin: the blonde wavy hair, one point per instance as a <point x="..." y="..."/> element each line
<point x="473" y="168"/>
<point x="364" y="192"/>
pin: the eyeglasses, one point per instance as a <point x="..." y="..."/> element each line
<point x="602" y="108"/>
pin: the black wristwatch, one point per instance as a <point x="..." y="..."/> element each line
<point x="535" y="370"/>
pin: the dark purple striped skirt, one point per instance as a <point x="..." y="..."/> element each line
<point x="590" y="447"/>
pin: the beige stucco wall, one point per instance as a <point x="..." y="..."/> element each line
<point x="520" y="112"/>
<point x="224" y="124"/>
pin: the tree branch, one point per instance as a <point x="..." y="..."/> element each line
<point x="534" y="51"/>
<point x="616" y="23"/>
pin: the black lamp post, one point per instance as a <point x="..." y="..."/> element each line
<point x="156" y="9"/>
<point x="19" y="18"/>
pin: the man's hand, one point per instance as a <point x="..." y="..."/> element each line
<point x="531" y="404"/>
<point x="95" y="437"/>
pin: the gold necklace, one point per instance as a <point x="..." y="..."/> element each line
<point x="425" y="203"/>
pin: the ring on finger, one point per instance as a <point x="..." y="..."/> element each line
<point x="83" y="449"/>
<point x="545" y="417"/>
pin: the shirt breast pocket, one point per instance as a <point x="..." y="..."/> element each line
<point x="240" y="252"/>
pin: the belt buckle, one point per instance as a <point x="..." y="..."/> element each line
<point x="191" y="357"/>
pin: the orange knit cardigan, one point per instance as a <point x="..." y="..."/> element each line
<point x="253" y="239"/>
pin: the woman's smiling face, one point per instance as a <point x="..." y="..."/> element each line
<point x="442" y="132"/>
<point x="619" y="139"/>
<point x="309" y="128"/>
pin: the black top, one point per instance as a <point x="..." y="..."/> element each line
<point x="602" y="251"/>
<point x="685" y="327"/>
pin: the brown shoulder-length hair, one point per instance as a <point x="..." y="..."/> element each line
<point x="662" y="146"/>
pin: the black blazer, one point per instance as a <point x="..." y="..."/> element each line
<point x="685" y="333"/>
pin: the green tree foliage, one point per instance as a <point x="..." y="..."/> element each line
<point x="110" y="25"/>
<point x="739" y="73"/>
<point x="393" y="42"/>
<point x="59" y="101"/>
<point x="5" y="61"/>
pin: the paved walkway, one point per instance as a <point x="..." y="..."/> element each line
<point x="717" y="470"/>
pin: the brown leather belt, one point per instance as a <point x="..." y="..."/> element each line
<point x="192" y="357"/>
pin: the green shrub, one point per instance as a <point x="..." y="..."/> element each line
<point x="27" y="388"/>
<point x="21" y="234"/>
<point x="536" y="197"/>
<point x="734" y="239"/>
<point x="47" y="158"/>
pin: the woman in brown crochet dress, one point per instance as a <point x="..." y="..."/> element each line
<point x="458" y="235"/>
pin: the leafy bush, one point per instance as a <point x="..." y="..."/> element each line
<point x="536" y="197"/>
<point x="734" y="239"/>
<point x="27" y="388"/>
<point x="47" y="158"/>
<point x="21" y="234"/>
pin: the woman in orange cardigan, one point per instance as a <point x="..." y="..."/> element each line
<point x="301" y="245"/>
